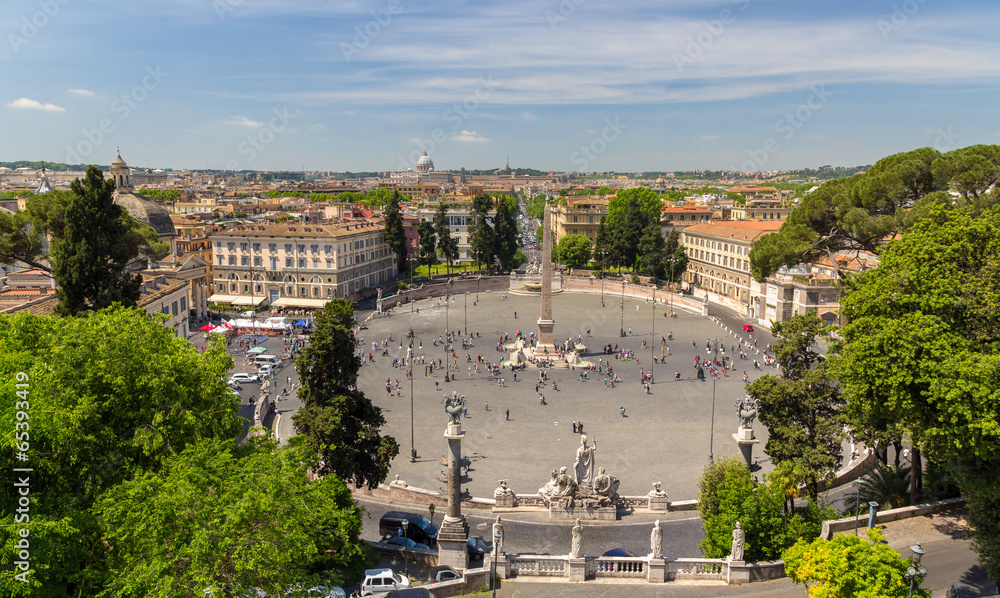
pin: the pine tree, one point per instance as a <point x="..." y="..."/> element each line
<point x="90" y="262"/>
<point x="394" y="235"/>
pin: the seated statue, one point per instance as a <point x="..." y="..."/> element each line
<point x="606" y="486"/>
<point x="565" y="485"/>
<point x="549" y="490"/>
<point x="502" y="490"/>
<point x="657" y="492"/>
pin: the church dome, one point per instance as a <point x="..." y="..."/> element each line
<point x="147" y="211"/>
<point x="425" y="164"/>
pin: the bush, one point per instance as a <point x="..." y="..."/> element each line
<point x="402" y="286"/>
<point x="635" y="279"/>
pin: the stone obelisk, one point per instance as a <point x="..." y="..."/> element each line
<point x="545" y="322"/>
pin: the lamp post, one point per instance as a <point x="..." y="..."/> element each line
<point x="602" y="276"/>
<point x="622" y="331"/>
<point x="466" y="314"/>
<point x="409" y="364"/>
<point x="711" y="433"/>
<point x="447" y="302"/>
<point x="916" y="570"/>
<point x="497" y="536"/>
<point x="406" y="563"/>
<point x="652" y="342"/>
<point x="411" y="286"/>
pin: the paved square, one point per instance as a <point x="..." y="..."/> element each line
<point x="664" y="435"/>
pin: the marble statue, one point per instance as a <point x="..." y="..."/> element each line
<point x="738" y="538"/>
<point x="746" y="409"/>
<point x="398" y="482"/>
<point x="453" y="406"/>
<point x="498" y="535"/>
<point x="655" y="541"/>
<point x="657" y="492"/>
<point x="548" y="491"/>
<point x="576" y="548"/>
<point x="565" y="485"/>
<point x="502" y="490"/>
<point x="583" y="468"/>
<point x="606" y="485"/>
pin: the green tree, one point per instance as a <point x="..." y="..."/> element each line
<point x="112" y="395"/>
<point x="646" y="201"/>
<point x="574" y="251"/>
<point x="446" y="244"/>
<point x="340" y="424"/>
<point x="921" y="349"/>
<point x="481" y="236"/>
<point x="231" y="520"/>
<point x="90" y="263"/>
<point x="602" y="242"/>
<point x="888" y="485"/>
<point x="802" y="408"/>
<point x="626" y="234"/>
<point x="675" y="259"/>
<point x="850" y="567"/>
<point x="505" y="232"/>
<point x="395" y="237"/>
<point x="652" y="246"/>
<point x="428" y="244"/>
<point x="728" y="494"/>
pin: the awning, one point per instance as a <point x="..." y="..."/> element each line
<point x="257" y="350"/>
<point x="248" y="300"/>
<point x="300" y="302"/>
<point x="217" y="298"/>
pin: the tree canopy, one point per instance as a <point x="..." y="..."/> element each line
<point x="395" y="238"/>
<point x="340" y="424"/>
<point x="574" y="251"/>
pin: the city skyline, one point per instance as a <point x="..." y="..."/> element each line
<point x="573" y="85"/>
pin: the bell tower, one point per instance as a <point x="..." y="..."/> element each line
<point x="121" y="173"/>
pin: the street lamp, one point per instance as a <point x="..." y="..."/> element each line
<point x="916" y="570"/>
<point x="409" y="364"/>
<point x="622" y="331"/>
<point x="711" y="433"/>
<point x="406" y="563"/>
<point x="497" y="536"/>
<point x="447" y="305"/>
<point x="652" y="342"/>
<point x="602" y="276"/>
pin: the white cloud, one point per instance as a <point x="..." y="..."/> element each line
<point x="317" y="128"/>
<point x="351" y="113"/>
<point x="82" y="92"/>
<point x="709" y="137"/>
<point x="30" y="104"/>
<point x="471" y="136"/>
<point x="242" y="121"/>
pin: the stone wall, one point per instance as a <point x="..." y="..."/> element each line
<point x="847" y="523"/>
<point x="472" y="580"/>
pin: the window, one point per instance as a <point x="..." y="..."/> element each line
<point x="328" y="249"/>
<point x="289" y="262"/>
<point x="183" y="303"/>
<point x="315" y="263"/>
<point x="256" y="247"/>
<point x="257" y="261"/>
<point x="232" y="260"/>
<point x="220" y="260"/>
<point x="274" y="263"/>
<point x="302" y="248"/>
<point x="272" y="247"/>
<point x="329" y="264"/>
<point x="314" y="248"/>
<point x="302" y="262"/>
<point x="173" y="308"/>
<point x="231" y="246"/>
<point x="574" y="219"/>
<point x="244" y="261"/>
<point x="288" y="247"/>
<point x="218" y="244"/>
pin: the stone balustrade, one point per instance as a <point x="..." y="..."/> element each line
<point x="643" y="567"/>
<point x="711" y="569"/>
<point x="617" y="566"/>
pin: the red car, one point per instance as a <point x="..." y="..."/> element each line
<point x="748" y="328"/>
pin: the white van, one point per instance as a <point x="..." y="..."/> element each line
<point x="378" y="581"/>
<point x="271" y="360"/>
<point x="266" y="370"/>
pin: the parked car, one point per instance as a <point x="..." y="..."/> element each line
<point x="443" y="573"/>
<point x="409" y="593"/>
<point x="243" y="378"/>
<point x="378" y="581"/>
<point x="420" y="528"/>
<point x="477" y="548"/>
<point x="401" y="542"/>
<point x="266" y="370"/>
<point x="748" y="328"/>
<point x="617" y="552"/>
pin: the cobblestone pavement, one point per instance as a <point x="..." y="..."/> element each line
<point x="664" y="436"/>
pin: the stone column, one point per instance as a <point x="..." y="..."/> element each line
<point x="453" y="536"/>
<point x="745" y="439"/>
<point x="545" y="322"/>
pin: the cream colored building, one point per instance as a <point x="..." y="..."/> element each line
<point x="579" y="216"/>
<point x="300" y="265"/>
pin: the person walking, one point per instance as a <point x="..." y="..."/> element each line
<point x="574" y="427"/>
<point x="623" y="410"/>
<point x="487" y="405"/>
<point x="506" y="415"/>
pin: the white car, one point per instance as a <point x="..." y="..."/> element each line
<point x="378" y="581"/>
<point x="242" y="377"/>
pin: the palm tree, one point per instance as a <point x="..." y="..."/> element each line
<point x="888" y="485"/>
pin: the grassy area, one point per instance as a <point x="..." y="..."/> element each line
<point x="440" y="269"/>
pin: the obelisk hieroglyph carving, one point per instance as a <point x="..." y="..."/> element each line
<point x="545" y="322"/>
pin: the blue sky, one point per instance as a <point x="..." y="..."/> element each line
<point x="564" y="85"/>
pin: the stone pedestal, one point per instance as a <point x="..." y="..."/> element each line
<point x="657" y="570"/>
<point x="503" y="566"/>
<point x="577" y="569"/>
<point x="737" y="572"/>
<point x="453" y="544"/>
<point x="557" y="511"/>
<point x="658" y="504"/>
<point x="745" y="439"/>
<point x="504" y="501"/>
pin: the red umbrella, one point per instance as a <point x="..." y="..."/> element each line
<point x="206" y="327"/>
